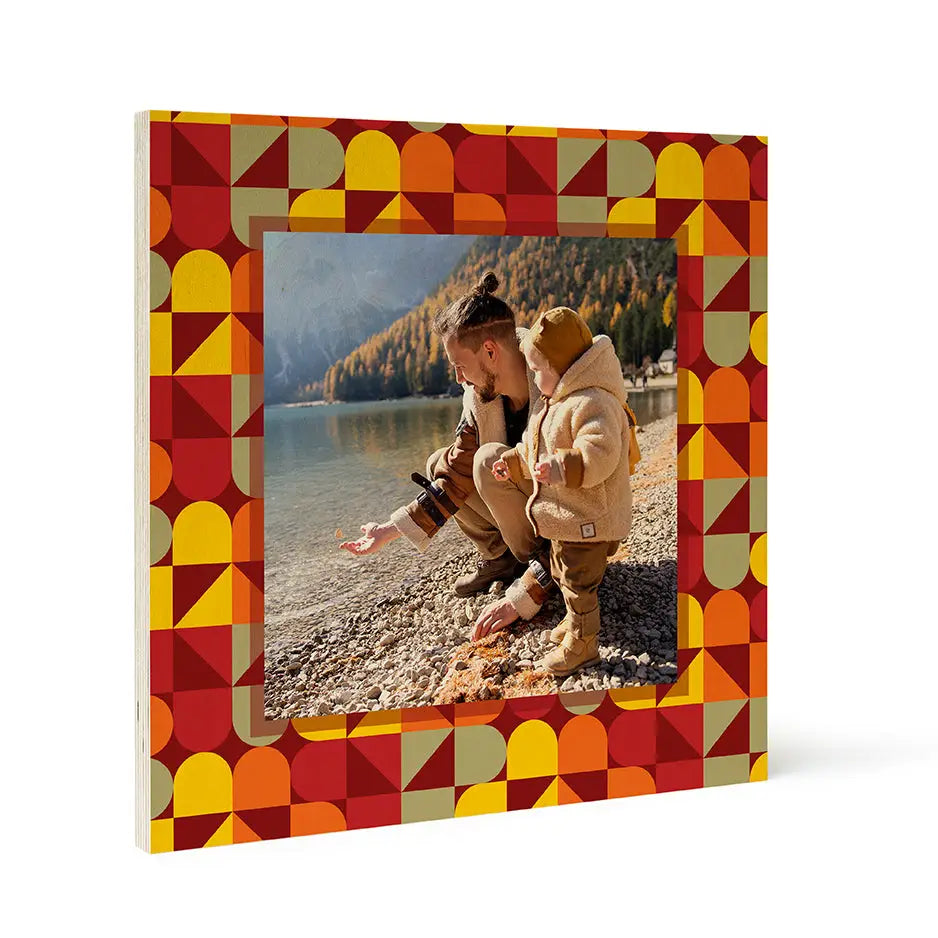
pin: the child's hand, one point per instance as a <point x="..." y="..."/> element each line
<point x="500" y="469"/>
<point x="548" y="472"/>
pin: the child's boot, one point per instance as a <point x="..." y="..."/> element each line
<point x="578" y="646"/>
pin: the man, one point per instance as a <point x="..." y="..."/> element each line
<point x="481" y="343"/>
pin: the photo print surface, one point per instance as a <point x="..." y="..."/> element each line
<point x="360" y="393"/>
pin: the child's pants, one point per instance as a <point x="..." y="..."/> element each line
<point x="578" y="568"/>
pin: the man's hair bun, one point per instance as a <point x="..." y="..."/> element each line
<point x="488" y="284"/>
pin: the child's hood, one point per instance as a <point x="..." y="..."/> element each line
<point x="597" y="367"/>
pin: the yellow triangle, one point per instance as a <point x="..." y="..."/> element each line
<point x="695" y="231"/>
<point x="550" y="796"/>
<point x="690" y="459"/>
<point x="213" y="607"/>
<point x="224" y="835"/>
<point x="688" y="689"/>
<point x="393" y="210"/>
<point x="213" y="356"/>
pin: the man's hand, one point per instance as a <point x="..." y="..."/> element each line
<point x="374" y="537"/>
<point x="500" y="470"/>
<point x="493" y="618"/>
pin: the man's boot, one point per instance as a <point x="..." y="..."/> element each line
<point x="504" y="568"/>
<point x="578" y="647"/>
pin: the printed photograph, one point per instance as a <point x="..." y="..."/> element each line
<point x="470" y="468"/>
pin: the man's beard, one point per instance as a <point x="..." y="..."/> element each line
<point x="486" y="393"/>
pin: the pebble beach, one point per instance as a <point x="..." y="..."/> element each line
<point x="408" y="647"/>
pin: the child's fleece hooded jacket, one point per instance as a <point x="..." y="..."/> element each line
<point x="584" y="424"/>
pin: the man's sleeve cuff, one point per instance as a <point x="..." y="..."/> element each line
<point x="402" y="520"/>
<point x="521" y="600"/>
<point x="515" y="465"/>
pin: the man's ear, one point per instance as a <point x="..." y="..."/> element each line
<point x="491" y="349"/>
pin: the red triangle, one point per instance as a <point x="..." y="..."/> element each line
<point x="190" y="670"/>
<point x="190" y="420"/>
<point x="271" y="170"/>
<point x="253" y="426"/>
<point x="690" y="283"/>
<point x="253" y="322"/>
<point x="735" y="216"/>
<point x="212" y="393"/>
<point x="524" y="792"/>
<point x="734" y="297"/>
<point x="192" y="832"/>
<point x="213" y="645"/>
<point x="363" y="207"/>
<point x="588" y="786"/>
<point x="690" y="503"/>
<point x="213" y="143"/>
<point x="688" y="721"/>
<point x="253" y="675"/>
<point x="439" y="770"/>
<point x="734" y="438"/>
<point x="532" y="166"/>
<point x="590" y="178"/>
<point x="190" y="330"/>
<point x="735" y="738"/>
<point x="189" y="584"/>
<point x="189" y="166"/>
<point x="734" y="519"/>
<point x="670" y="214"/>
<point x="268" y="823"/>
<point x="671" y="746"/>
<point x="685" y="432"/>
<point x="435" y="207"/>
<point x="384" y="753"/>
<point x="734" y="659"/>
<point x="253" y="570"/>
<point x="363" y="777"/>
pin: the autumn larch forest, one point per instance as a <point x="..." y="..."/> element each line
<point x="624" y="288"/>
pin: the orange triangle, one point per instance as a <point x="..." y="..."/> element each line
<point x="717" y="462"/>
<point x="717" y="237"/>
<point x="247" y="601"/>
<point x="565" y="794"/>
<point x="412" y="222"/>
<point x="242" y="833"/>
<point x="718" y="685"/>
<point x="247" y="354"/>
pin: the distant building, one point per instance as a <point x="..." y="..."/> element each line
<point x="667" y="362"/>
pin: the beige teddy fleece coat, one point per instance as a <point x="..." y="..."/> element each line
<point x="584" y="424"/>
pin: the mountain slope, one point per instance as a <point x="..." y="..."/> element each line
<point x="324" y="294"/>
<point x="625" y="288"/>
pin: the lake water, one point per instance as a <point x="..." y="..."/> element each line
<point x="337" y="466"/>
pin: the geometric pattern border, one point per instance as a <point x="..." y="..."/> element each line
<point x="219" y="772"/>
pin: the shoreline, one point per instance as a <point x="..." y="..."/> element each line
<point x="410" y="648"/>
<point x="660" y="382"/>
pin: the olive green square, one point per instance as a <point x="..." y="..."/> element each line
<point x="577" y="209"/>
<point x="758" y="505"/>
<point x="430" y="805"/>
<point x="758" y="284"/>
<point x="758" y="724"/>
<point x="726" y="770"/>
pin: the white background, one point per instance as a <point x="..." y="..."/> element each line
<point x="842" y="836"/>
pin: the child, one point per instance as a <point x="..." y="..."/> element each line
<point x="575" y="448"/>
